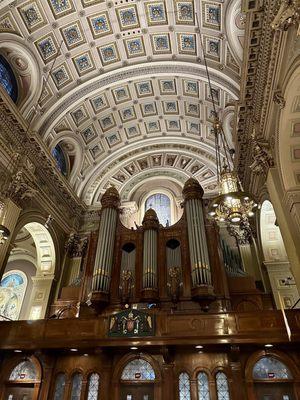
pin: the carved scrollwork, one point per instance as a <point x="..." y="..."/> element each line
<point x="287" y="15"/>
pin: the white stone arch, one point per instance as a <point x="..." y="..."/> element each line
<point x="44" y="259"/>
<point x="26" y="68"/>
<point x="234" y="32"/>
<point x="289" y="132"/>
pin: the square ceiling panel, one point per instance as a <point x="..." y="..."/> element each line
<point x="161" y="43"/>
<point x="173" y="125"/>
<point x="127" y="114"/>
<point x="211" y="15"/>
<point x="121" y="94"/>
<point x="8" y="24"/>
<point x="144" y="89"/>
<point x="152" y="126"/>
<point x="84" y="63"/>
<point x="134" y="47"/>
<point x="190" y="87"/>
<point x="128" y="17"/>
<point x="96" y="151"/>
<point x="80" y="115"/>
<point x="113" y="139"/>
<point x="100" y="25"/>
<point x="192" y="109"/>
<point x="107" y="122"/>
<point x="73" y="35"/>
<point x="99" y="103"/>
<point x="47" y="47"/>
<point x="156" y="13"/>
<point x="32" y="16"/>
<point x="167" y="86"/>
<point x="170" y="107"/>
<point x="184" y="12"/>
<point x="187" y="43"/>
<point x="212" y="47"/>
<point x="132" y="131"/>
<point x="148" y="109"/>
<point x="193" y="128"/>
<point x="89" y="134"/>
<point x="61" y="76"/>
<point x="109" y="53"/>
<point x="61" y="7"/>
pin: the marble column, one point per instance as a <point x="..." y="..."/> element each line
<point x="150" y="226"/>
<point x="200" y="264"/>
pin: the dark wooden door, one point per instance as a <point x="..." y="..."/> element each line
<point x="274" y="391"/>
<point x="137" y="392"/>
<point x="19" y="393"/>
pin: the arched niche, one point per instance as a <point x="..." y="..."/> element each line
<point x="71" y="149"/>
<point x="22" y="378"/>
<point x="139" y="371"/>
<point x="271" y="373"/>
<point x="13" y="288"/>
<point x="26" y="70"/>
<point x="34" y="255"/>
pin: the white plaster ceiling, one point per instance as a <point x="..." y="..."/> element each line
<point x="123" y="85"/>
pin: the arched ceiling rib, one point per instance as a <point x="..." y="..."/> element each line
<point x="124" y="75"/>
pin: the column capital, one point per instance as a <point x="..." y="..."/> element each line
<point x="150" y="220"/>
<point x="111" y="198"/>
<point x="192" y="190"/>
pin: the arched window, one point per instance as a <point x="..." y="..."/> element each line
<point x="203" y="386"/>
<point x="138" y="370"/>
<point x="222" y="386"/>
<point x="76" y="387"/>
<point x="25" y="371"/>
<point x="271" y="368"/>
<point x="60" y="384"/>
<point x="162" y="206"/>
<point x="12" y="292"/>
<point x="60" y="159"/>
<point x="184" y="386"/>
<point x="8" y="80"/>
<point x="93" y="387"/>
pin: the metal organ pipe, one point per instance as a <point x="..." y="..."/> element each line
<point x="105" y="246"/>
<point x="200" y="265"/>
<point x="150" y="225"/>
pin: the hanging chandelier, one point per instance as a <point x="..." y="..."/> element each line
<point x="233" y="204"/>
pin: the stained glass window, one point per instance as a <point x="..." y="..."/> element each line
<point x="162" y="206"/>
<point x="203" y="386"/>
<point x="93" y="388"/>
<point x="138" y="370"/>
<point x="12" y="292"/>
<point x="23" y="371"/>
<point x="184" y="386"/>
<point x="8" y="80"/>
<point x="222" y="386"/>
<point x="60" y="159"/>
<point x="60" y="384"/>
<point x="76" y="387"/>
<point x="271" y="368"/>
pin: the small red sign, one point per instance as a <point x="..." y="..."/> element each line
<point x="137" y="375"/>
<point x="271" y="375"/>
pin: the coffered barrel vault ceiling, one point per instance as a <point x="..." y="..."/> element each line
<point x="124" y="87"/>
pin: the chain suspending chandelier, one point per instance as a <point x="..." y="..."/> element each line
<point x="233" y="204"/>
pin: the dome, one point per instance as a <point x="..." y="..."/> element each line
<point x="192" y="189"/>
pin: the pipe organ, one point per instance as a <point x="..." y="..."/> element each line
<point x="154" y="263"/>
